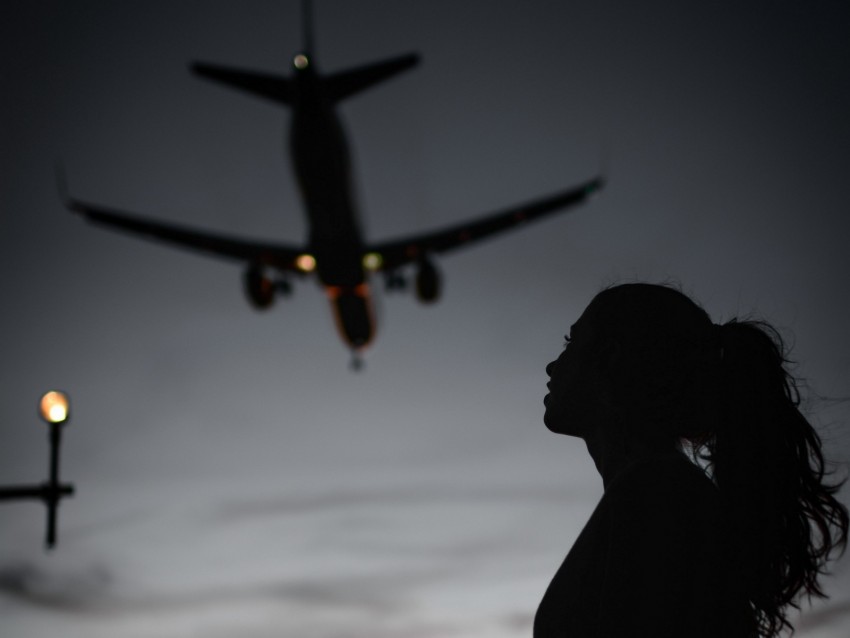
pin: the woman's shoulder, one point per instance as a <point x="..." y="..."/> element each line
<point x="661" y="471"/>
<point x="664" y="484"/>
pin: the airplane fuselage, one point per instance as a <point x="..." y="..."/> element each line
<point x="322" y="165"/>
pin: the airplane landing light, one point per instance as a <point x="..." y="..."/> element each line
<point x="372" y="261"/>
<point x="301" y="61"/>
<point x="305" y="262"/>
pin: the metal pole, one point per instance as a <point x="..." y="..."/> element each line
<point x="18" y="492"/>
<point x="51" y="496"/>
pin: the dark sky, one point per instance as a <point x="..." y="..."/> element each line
<point x="233" y="475"/>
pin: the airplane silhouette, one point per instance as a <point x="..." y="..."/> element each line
<point x="335" y="250"/>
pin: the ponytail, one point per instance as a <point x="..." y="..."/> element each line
<point x="767" y="462"/>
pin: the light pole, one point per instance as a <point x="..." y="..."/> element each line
<point x="54" y="408"/>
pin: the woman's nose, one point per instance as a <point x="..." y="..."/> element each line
<point x="549" y="368"/>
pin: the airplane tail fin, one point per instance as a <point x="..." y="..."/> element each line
<point x="307" y="26"/>
<point x="343" y="84"/>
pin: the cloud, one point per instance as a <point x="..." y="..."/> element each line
<point x="63" y="591"/>
<point x="92" y="590"/>
<point x="258" y="507"/>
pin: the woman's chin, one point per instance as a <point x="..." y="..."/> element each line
<point x="552" y="423"/>
<point x="559" y="424"/>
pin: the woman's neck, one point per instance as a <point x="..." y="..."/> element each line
<point x="612" y="451"/>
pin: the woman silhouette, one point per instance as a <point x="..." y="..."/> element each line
<point x="716" y="515"/>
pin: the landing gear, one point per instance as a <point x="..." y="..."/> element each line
<point x="394" y="281"/>
<point x="284" y="287"/>
<point x="259" y="287"/>
<point x="427" y="282"/>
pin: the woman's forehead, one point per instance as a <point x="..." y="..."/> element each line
<point x="587" y="319"/>
<point x="641" y="307"/>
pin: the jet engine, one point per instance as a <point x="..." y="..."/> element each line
<point x="259" y="288"/>
<point x="427" y="282"/>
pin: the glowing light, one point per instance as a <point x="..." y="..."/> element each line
<point x="335" y="292"/>
<point x="372" y="261"/>
<point x="54" y="407"/>
<point x="301" y="61"/>
<point x="305" y="262"/>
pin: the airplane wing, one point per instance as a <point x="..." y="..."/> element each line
<point x="273" y="87"/>
<point x="396" y="253"/>
<point x="278" y="256"/>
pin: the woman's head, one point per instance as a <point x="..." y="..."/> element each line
<point x="641" y="353"/>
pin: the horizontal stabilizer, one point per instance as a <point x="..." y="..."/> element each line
<point x="343" y="84"/>
<point x="273" y="87"/>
